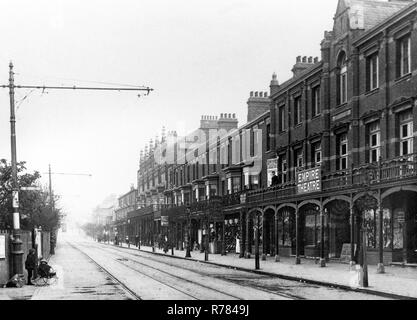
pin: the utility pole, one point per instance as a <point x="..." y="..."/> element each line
<point x="51" y="196"/>
<point x="17" y="252"/>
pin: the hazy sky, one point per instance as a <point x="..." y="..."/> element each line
<point x="201" y="57"/>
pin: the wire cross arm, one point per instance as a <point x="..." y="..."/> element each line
<point x="147" y="89"/>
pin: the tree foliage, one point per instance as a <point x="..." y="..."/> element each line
<point x="34" y="206"/>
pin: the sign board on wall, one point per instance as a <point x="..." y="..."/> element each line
<point x="309" y="181"/>
<point x="272" y="166"/>
<point x="2" y="246"/>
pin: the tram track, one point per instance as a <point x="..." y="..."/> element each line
<point x="195" y="283"/>
<point x="108" y="273"/>
<point x="117" y="252"/>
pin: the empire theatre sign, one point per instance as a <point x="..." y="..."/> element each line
<point x="309" y="181"/>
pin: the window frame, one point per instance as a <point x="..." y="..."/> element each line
<point x="372" y="72"/>
<point x="281" y="112"/>
<point x="342" y="158"/>
<point x="316" y="101"/>
<point x="409" y="138"/>
<point x="268" y="137"/>
<point x="374" y="131"/>
<point x="404" y="56"/>
<point x="316" y="150"/>
<point x="297" y="111"/>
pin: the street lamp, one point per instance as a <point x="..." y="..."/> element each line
<point x="206" y="238"/>
<point x="257" y="241"/>
<point x="188" y="238"/>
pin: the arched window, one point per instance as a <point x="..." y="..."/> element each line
<point x="342" y="79"/>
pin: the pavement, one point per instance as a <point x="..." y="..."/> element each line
<point x="78" y="278"/>
<point x="397" y="282"/>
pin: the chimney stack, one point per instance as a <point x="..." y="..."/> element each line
<point x="274" y="86"/>
<point x="259" y="103"/>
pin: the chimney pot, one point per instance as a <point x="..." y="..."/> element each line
<point x="304" y="59"/>
<point x="251" y="93"/>
<point x="298" y="59"/>
<point x="310" y="59"/>
<point x="230" y="115"/>
<point x="234" y="116"/>
<point x="316" y="59"/>
<point x="256" y="94"/>
<point x="221" y="115"/>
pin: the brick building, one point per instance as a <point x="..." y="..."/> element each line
<point x="127" y="204"/>
<point x="339" y="135"/>
<point x="352" y="116"/>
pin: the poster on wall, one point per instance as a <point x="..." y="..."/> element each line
<point x="2" y="246"/>
<point x="38" y="242"/>
<point x="272" y="166"/>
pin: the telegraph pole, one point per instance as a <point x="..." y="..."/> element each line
<point x="52" y="200"/>
<point x="17" y="252"/>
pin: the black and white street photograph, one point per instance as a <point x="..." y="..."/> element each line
<point x="208" y="154"/>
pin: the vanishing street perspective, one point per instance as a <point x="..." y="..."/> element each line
<point x="211" y="158"/>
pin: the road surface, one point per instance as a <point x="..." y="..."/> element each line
<point x="90" y="270"/>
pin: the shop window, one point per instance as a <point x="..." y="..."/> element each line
<point x="387" y="234"/>
<point x="370" y="226"/>
<point x="406" y="133"/>
<point x="288" y="229"/>
<point x="372" y="70"/>
<point x="316" y="108"/>
<point x="403" y="60"/>
<point x="374" y="136"/>
<point x="342" y="152"/>
<point x="398" y="229"/>
<point x="297" y="111"/>
<point x="312" y="228"/>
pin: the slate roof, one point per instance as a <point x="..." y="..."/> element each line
<point x="375" y="12"/>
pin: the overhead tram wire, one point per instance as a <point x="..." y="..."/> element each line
<point x="86" y="81"/>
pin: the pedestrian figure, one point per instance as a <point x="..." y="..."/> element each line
<point x="166" y="244"/>
<point x="274" y="181"/>
<point x="31" y="264"/>
<point x="137" y="240"/>
<point x="127" y="241"/>
<point x="45" y="270"/>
